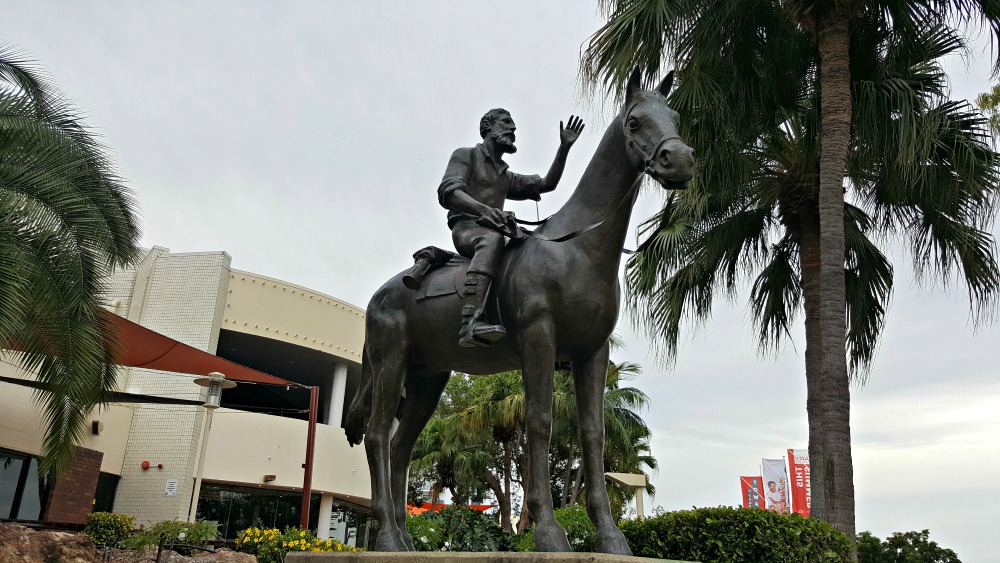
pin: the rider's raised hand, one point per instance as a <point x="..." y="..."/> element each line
<point x="569" y="134"/>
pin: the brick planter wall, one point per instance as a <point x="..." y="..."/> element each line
<point x="72" y="497"/>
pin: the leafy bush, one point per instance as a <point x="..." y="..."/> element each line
<point x="270" y="544"/>
<point x="457" y="528"/>
<point x="198" y="533"/>
<point x="108" y="528"/>
<point x="425" y="531"/>
<point x="908" y="547"/>
<point x="580" y="531"/>
<point x="736" y="535"/>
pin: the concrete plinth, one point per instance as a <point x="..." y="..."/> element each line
<point x="457" y="557"/>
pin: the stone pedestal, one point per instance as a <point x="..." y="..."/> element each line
<point x="460" y="557"/>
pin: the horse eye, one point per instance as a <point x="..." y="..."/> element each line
<point x="633" y="123"/>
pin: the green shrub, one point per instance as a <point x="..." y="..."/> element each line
<point x="425" y="531"/>
<point x="580" y="531"/>
<point x="908" y="547"/>
<point x="198" y="533"/>
<point x="736" y="535"/>
<point x="270" y="545"/>
<point x="457" y="528"/>
<point x="108" y="528"/>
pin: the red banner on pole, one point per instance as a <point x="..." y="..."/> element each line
<point x="751" y="487"/>
<point x="798" y="461"/>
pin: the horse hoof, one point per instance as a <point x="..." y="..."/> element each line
<point x="408" y="542"/>
<point x="551" y="538"/>
<point x="389" y="542"/>
<point x="613" y="542"/>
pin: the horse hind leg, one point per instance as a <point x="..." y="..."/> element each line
<point x="422" y="396"/>
<point x="589" y="378"/>
<point x="388" y="373"/>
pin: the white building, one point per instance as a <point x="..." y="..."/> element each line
<point x="253" y="472"/>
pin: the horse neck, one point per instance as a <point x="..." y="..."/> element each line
<point x="603" y="186"/>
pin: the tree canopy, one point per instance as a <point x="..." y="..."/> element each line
<point x="66" y="220"/>
<point x="824" y="131"/>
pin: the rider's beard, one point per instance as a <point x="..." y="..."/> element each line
<point x="505" y="140"/>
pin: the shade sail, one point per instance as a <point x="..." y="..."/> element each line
<point x="140" y="347"/>
<point x="114" y="396"/>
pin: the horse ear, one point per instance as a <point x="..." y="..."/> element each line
<point x="634" y="85"/>
<point x="668" y="81"/>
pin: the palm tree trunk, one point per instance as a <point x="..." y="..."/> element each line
<point x="576" y="486"/>
<point x="829" y="400"/>
<point x="435" y="493"/>
<point x="506" y="486"/>
<point x="525" y="520"/>
<point x="490" y="480"/>
<point x="564" y="500"/>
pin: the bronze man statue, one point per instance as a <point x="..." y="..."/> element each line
<point x="474" y="188"/>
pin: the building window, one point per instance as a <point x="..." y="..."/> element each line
<point x="238" y="508"/>
<point x="22" y="488"/>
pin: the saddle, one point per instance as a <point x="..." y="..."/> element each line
<point x="446" y="283"/>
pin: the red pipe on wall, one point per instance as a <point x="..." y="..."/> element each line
<point x="308" y="465"/>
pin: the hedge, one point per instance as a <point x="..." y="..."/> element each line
<point x="736" y="535"/>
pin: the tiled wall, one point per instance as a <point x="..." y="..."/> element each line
<point x="181" y="296"/>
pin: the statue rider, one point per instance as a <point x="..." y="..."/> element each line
<point x="474" y="188"/>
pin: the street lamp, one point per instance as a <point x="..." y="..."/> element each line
<point x="215" y="382"/>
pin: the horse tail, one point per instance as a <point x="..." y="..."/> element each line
<point x="361" y="405"/>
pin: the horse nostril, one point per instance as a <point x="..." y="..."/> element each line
<point x="664" y="157"/>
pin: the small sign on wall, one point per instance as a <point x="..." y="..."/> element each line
<point x="171" y="488"/>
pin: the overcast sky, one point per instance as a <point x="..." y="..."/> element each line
<point x="307" y="141"/>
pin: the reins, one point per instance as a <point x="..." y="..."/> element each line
<point x="629" y="195"/>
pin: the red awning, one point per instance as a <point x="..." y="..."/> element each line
<point x="144" y="348"/>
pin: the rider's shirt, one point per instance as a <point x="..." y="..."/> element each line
<point x="487" y="180"/>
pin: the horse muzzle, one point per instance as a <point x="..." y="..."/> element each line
<point x="672" y="164"/>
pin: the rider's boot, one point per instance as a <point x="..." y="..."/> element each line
<point x="475" y="331"/>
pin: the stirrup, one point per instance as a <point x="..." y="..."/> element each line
<point x="475" y="332"/>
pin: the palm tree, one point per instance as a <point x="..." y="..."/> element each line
<point x="989" y="102"/>
<point x="761" y="96"/>
<point x="66" y="220"/>
<point x="497" y="406"/>
<point x="451" y="455"/>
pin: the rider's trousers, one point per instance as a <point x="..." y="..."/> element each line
<point x="482" y="244"/>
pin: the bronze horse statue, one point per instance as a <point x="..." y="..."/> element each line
<point x="559" y="301"/>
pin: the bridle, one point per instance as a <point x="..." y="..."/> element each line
<point x="647" y="157"/>
<point x="647" y="168"/>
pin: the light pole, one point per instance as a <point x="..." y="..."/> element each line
<point x="215" y="382"/>
<point x="635" y="480"/>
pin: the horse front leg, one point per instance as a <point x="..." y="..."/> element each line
<point x="538" y="361"/>
<point x="590" y="378"/>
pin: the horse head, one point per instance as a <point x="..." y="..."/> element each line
<point x="650" y="130"/>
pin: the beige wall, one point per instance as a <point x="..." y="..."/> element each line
<point x="22" y="425"/>
<point x="279" y="310"/>
<point x="243" y="447"/>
